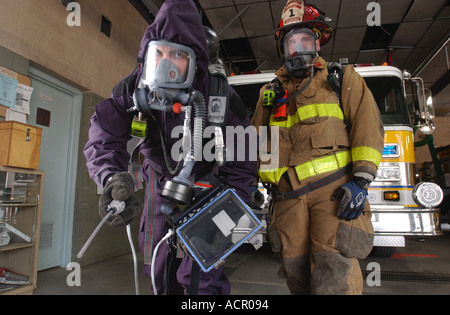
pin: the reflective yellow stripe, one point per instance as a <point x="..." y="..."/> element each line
<point x="271" y="175"/>
<point x="366" y="154"/>
<point x="307" y="112"/>
<point x="309" y="169"/>
<point x="323" y="165"/>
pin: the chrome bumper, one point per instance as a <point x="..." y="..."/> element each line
<point x="389" y="220"/>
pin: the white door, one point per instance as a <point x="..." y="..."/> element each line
<point x="60" y="105"/>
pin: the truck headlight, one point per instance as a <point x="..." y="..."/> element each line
<point x="388" y="172"/>
<point x="428" y="195"/>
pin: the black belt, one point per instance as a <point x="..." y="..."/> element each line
<point x="316" y="185"/>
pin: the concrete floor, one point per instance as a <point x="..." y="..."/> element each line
<point x="421" y="268"/>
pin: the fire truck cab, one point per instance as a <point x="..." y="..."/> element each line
<point x="401" y="205"/>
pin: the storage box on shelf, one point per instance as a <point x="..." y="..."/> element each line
<point x="20" y="144"/>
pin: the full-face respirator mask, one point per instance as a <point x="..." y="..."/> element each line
<point x="168" y="73"/>
<point x="299" y="47"/>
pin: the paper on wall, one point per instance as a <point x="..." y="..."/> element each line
<point x="8" y="89"/>
<point x="23" y="97"/>
<point x="12" y="115"/>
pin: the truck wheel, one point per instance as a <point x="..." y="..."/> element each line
<point x="381" y="251"/>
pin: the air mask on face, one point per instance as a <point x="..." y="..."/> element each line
<point x="299" y="50"/>
<point x="168" y="73"/>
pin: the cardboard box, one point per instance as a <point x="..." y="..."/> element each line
<point x="20" y="145"/>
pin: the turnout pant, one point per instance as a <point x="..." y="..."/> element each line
<point x="319" y="252"/>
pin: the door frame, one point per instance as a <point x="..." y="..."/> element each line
<point x="72" y="163"/>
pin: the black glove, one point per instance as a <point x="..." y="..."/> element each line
<point x="353" y="195"/>
<point x="257" y="198"/>
<point x="120" y="187"/>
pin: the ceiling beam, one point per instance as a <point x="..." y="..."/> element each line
<point x="440" y="84"/>
<point x="445" y="40"/>
<point x="143" y="10"/>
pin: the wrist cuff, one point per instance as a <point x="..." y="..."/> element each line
<point x="362" y="182"/>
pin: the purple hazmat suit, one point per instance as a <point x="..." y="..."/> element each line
<point x="178" y="21"/>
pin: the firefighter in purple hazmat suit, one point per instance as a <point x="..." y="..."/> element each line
<point x="177" y="23"/>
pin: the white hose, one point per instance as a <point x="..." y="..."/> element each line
<point x="115" y="207"/>
<point x="133" y="250"/>
<point x="169" y="234"/>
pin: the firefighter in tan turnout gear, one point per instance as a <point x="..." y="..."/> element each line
<point x="329" y="142"/>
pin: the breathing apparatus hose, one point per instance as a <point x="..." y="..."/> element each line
<point x="199" y="104"/>
<point x="311" y="76"/>
<point x="173" y="171"/>
<point x="183" y="177"/>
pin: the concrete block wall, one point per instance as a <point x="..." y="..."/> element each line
<point x="82" y="55"/>
<point x="36" y="33"/>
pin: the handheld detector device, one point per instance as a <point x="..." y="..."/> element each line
<point x="216" y="227"/>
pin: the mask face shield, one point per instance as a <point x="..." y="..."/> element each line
<point x="169" y="65"/>
<point x="299" y="49"/>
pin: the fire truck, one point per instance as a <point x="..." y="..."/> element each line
<point x="402" y="205"/>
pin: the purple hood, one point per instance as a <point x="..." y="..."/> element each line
<point x="178" y="21"/>
<point x="106" y="152"/>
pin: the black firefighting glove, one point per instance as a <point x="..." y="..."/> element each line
<point x="257" y="197"/>
<point x="353" y="198"/>
<point x="120" y="187"/>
